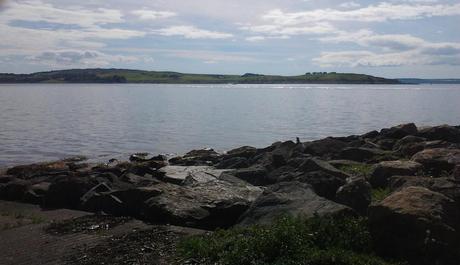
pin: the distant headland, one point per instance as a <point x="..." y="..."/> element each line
<point x="155" y="77"/>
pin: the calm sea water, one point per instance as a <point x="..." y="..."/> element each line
<point x="46" y="122"/>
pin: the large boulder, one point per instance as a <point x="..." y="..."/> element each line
<point x="257" y="176"/>
<point x="355" y="194"/>
<point x="386" y="169"/>
<point x="66" y="191"/>
<point x="206" y="205"/>
<point x="438" y="160"/>
<point x="314" y="164"/>
<point x="399" y="131"/>
<point x="327" y="147"/>
<point x="13" y="189"/>
<point x="290" y="198"/>
<point x="418" y="225"/>
<point x="361" y="154"/>
<point x="179" y="174"/>
<point x="409" y="145"/>
<point x="324" y="184"/>
<point x="244" y="151"/>
<point x="444" y="132"/>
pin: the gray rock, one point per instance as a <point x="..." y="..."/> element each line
<point x="323" y="183"/>
<point x="314" y="164"/>
<point x="178" y="174"/>
<point x="254" y="175"/>
<point x="444" y="132"/>
<point x="400" y="131"/>
<point x="205" y="205"/>
<point x="290" y="198"/>
<point x="327" y="147"/>
<point x="355" y="194"/>
<point x="362" y="154"/>
<point x="384" y="170"/>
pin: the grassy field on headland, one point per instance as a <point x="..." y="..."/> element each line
<point x="138" y="76"/>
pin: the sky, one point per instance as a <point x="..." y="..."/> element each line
<point x="392" y="38"/>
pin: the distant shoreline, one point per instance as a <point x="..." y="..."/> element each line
<point x="111" y="76"/>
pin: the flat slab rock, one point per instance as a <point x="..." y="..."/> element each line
<point x="290" y="198"/>
<point x="178" y="174"/>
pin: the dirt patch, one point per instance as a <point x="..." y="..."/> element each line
<point x="86" y="224"/>
<point x="151" y="246"/>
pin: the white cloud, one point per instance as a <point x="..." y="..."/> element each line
<point x="351" y="4"/>
<point x="191" y="32"/>
<point x="373" y="13"/>
<point x="39" y="11"/>
<point x="144" y="14"/>
<point x="398" y="50"/>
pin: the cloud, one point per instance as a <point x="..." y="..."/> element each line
<point x="191" y="32"/>
<point x="75" y="58"/>
<point x="351" y="4"/>
<point x="279" y="30"/>
<point x="144" y="14"/>
<point x="396" y="50"/>
<point x="373" y="13"/>
<point x="38" y="11"/>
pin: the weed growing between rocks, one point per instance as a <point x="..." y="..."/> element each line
<point x="361" y="170"/>
<point x="379" y="195"/>
<point x="316" y="241"/>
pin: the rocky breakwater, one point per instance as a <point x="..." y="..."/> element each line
<point x="405" y="180"/>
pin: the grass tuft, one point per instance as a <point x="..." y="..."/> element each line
<point x="288" y="241"/>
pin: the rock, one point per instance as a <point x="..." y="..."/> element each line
<point x="327" y="147"/>
<point x="418" y="225"/>
<point x="397" y="183"/>
<point x="178" y="174"/>
<point x="362" y="154"/>
<point x="14" y="190"/>
<point x="355" y="194"/>
<point x="254" y="175"/>
<point x="445" y="133"/>
<point x="323" y="183"/>
<point x="204" y="205"/>
<point x="36" y="193"/>
<point x="313" y="164"/>
<point x="438" y="160"/>
<point x="203" y="157"/>
<point x="370" y="135"/>
<point x="386" y="144"/>
<point x="399" y="131"/>
<point x="410" y="139"/>
<point x="133" y="199"/>
<point x="30" y="171"/>
<point x="446" y="186"/>
<point x="290" y="198"/>
<point x="384" y="170"/>
<point x="66" y="191"/>
<point x="456" y="173"/>
<point x="245" y="151"/>
<point x="136" y="180"/>
<point x="233" y="162"/>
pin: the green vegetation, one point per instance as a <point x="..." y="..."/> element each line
<point x="296" y="241"/>
<point x="361" y="170"/>
<point x="379" y="195"/>
<point x="137" y="76"/>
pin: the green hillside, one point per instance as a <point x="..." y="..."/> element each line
<point x="138" y="76"/>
